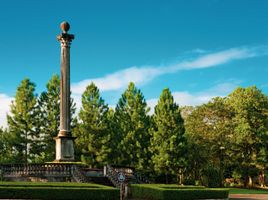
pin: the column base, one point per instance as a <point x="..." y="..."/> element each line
<point x="64" y="148"/>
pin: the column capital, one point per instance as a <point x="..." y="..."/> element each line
<point x="65" y="39"/>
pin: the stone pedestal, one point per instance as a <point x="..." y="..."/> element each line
<point x="64" y="148"/>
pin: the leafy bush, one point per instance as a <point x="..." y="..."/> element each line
<point x="164" y="192"/>
<point x="212" y="177"/>
<point x="189" y="181"/>
<point x="57" y="191"/>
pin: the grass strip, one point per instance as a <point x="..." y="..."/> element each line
<point x="248" y="191"/>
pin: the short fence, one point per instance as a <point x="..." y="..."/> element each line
<point x="53" y="169"/>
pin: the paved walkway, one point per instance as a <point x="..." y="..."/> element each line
<point x="248" y="196"/>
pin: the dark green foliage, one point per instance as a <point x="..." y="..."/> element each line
<point x="49" y="104"/>
<point x="57" y="191"/>
<point x="212" y="177"/>
<point x="23" y="123"/>
<point x="143" y="192"/>
<point x="229" y="134"/>
<point x="5" y="147"/>
<point x="209" y="130"/>
<point x="130" y="129"/>
<point x="249" y="108"/>
<point x="161" y="192"/>
<point x="51" y="184"/>
<point x="168" y="143"/>
<point x="93" y="135"/>
<point x="33" y="122"/>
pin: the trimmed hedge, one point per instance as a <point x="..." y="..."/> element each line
<point x="57" y="191"/>
<point x="164" y="192"/>
<point x="52" y="184"/>
<point x="174" y="186"/>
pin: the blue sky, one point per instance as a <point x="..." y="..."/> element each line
<point x="198" y="48"/>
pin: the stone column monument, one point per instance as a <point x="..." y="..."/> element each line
<point x="64" y="140"/>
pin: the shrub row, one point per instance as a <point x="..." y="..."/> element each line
<point x="156" y="192"/>
<point x="52" y="184"/>
<point x="50" y="193"/>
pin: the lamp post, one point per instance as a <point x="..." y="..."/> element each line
<point x="221" y="164"/>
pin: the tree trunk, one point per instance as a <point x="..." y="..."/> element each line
<point x="248" y="181"/>
<point x="180" y="177"/>
<point x="261" y="178"/>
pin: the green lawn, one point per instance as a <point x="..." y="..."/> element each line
<point x="247" y="191"/>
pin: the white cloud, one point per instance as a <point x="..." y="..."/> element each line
<point x="152" y="103"/>
<point x="141" y="75"/>
<point x="185" y="98"/>
<point x="118" y="79"/>
<point x="5" y="102"/>
<point x="78" y="101"/>
<point x="218" y="58"/>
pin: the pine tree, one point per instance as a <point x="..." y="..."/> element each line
<point x="23" y="124"/>
<point x="131" y="124"/>
<point x="168" y="143"/>
<point x="93" y="135"/>
<point x="49" y="104"/>
<point x="6" y="148"/>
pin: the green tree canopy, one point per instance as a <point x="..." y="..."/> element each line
<point x="168" y="143"/>
<point x="249" y="107"/>
<point x="49" y="105"/>
<point x="5" y="147"/>
<point x="93" y="134"/>
<point x="131" y="124"/>
<point x="209" y="131"/>
<point x="23" y="124"/>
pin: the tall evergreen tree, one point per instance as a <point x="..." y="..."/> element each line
<point x="5" y="147"/>
<point x="23" y="124"/>
<point x="168" y="143"/>
<point x="93" y="135"/>
<point x="49" y="104"/>
<point x="131" y="124"/>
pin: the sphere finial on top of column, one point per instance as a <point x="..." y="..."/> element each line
<point x="65" y="26"/>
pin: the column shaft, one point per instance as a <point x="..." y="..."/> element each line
<point x="65" y="89"/>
